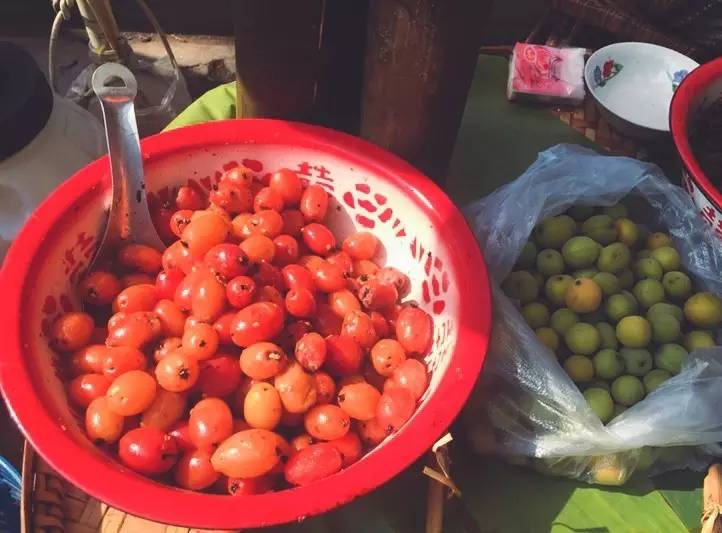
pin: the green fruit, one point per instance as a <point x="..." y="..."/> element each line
<point x="521" y="286"/>
<point x="665" y="328"/>
<point x="598" y="384"/>
<point x="627" y="231"/>
<point x="657" y="240"/>
<point x="620" y="305"/>
<point x="540" y="280"/>
<point x="663" y="308"/>
<point x="582" y="339"/>
<point x="548" y="338"/>
<point x="637" y="361"/>
<point x="614" y="258"/>
<point x="648" y="292"/>
<point x="580" y="212"/>
<point x="627" y="390"/>
<point x="527" y="258"/>
<point x="644" y="254"/>
<point x="555" y="231"/>
<point x="587" y="273"/>
<point x="618" y="410"/>
<point x="608" y="364"/>
<point x="698" y="339"/>
<point x="703" y="310"/>
<point x="608" y="283"/>
<point x="535" y="314"/>
<point x="579" y="368"/>
<point x="677" y="285"/>
<point x="550" y="262"/>
<point x="667" y="257"/>
<point x="556" y="287"/>
<point x="648" y="267"/>
<point x="580" y="252"/>
<point x="608" y="336"/>
<point x="670" y="357"/>
<point x="601" y="228"/>
<point x="563" y="319"/>
<point x="626" y="279"/>
<point x="654" y="379"/>
<point x="601" y="403"/>
<point x="634" y="331"/>
<point x="615" y="211"/>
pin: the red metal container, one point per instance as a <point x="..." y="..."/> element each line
<point x="700" y="88"/>
<point x="423" y="233"/>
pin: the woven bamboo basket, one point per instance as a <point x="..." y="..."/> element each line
<point x="52" y="505"/>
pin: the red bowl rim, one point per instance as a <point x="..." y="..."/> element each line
<point x="140" y="496"/>
<point x="690" y="88"/>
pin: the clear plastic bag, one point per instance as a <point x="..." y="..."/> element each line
<point x="525" y="406"/>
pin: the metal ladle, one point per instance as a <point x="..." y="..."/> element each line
<point x="129" y="219"/>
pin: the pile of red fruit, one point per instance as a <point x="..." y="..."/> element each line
<point x="252" y="354"/>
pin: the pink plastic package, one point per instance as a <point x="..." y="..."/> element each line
<point x="546" y="74"/>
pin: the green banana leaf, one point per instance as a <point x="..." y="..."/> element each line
<point x="496" y="142"/>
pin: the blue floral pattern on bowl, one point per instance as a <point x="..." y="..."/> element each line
<point x="606" y="72"/>
<point x="677" y="78"/>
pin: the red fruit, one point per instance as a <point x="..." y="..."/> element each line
<point x="297" y="277"/>
<point x="319" y="239"/>
<point x="390" y="275"/>
<point x="414" y="330"/>
<point x="314" y="203"/>
<point x="315" y="462"/>
<point x="300" y="303"/>
<point x="376" y="295"/>
<point x="189" y="198"/>
<point x="166" y="283"/>
<point x="161" y="217"/>
<point x="269" y="275"/>
<point x="180" y="432"/>
<point x="394" y="408"/>
<point x="220" y="376"/>
<point x="325" y="388"/>
<point x="286" y="250"/>
<point x="293" y="221"/>
<point x="410" y="375"/>
<point x="240" y="291"/>
<point x="310" y="351"/>
<point x="349" y="446"/>
<point x="258" y="322"/>
<point x="254" y="485"/>
<point x="194" y="470"/>
<point x="226" y="260"/>
<point x="148" y="450"/>
<point x="231" y="197"/>
<point x="343" y="356"/>
<point x="223" y="328"/>
<point x="86" y="388"/>
<point x="179" y="220"/>
<point x="286" y="183"/>
<point x="210" y="423"/>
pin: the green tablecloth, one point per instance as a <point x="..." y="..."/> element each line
<point x="496" y="142"/>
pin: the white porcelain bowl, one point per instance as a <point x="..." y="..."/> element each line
<point x="633" y="84"/>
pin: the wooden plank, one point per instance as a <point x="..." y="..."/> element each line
<point x="420" y="59"/>
<point x="277" y="57"/>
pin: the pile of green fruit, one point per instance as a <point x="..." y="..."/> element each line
<point x="613" y="302"/>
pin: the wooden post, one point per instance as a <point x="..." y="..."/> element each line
<point x="420" y="59"/>
<point x="277" y="57"/>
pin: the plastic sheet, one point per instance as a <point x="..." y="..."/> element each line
<point x="525" y="406"/>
